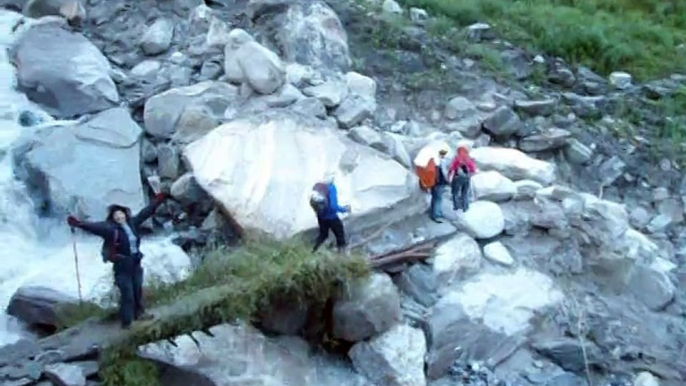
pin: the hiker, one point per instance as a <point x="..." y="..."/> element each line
<point x="438" y="188"/>
<point x="461" y="170"/>
<point x="121" y="246"/>
<point x="324" y="201"/>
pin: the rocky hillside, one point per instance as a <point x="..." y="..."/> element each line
<point x="569" y="269"/>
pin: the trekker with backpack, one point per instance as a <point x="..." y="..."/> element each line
<point x="436" y="210"/>
<point x="121" y="246"/>
<point x="461" y="171"/>
<point x="324" y="202"/>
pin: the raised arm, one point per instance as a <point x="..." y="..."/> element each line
<point x="148" y="211"/>
<point x="101" y="228"/>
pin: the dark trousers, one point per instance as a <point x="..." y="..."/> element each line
<point x="460" y="191"/>
<point x="436" y="209"/>
<point x="130" y="284"/>
<point x="334" y="225"/>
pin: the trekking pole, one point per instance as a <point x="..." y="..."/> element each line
<point x="76" y="263"/>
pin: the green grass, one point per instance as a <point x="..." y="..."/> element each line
<point x="641" y="37"/>
<point x="229" y="285"/>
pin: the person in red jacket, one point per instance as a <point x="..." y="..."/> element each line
<point x="460" y="173"/>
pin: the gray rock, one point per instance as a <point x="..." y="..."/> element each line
<point x="496" y="252"/>
<point x="419" y="282"/>
<point x="567" y="353"/>
<point x="483" y="220"/>
<point x="168" y="161"/>
<point x="503" y="122"/>
<point x="286" y="317"/>
<point x="312" y="107"/>
<point x="673" y="208"/>
<point x="63" y="374"/>
<point x="611" y="169"/>
<point x="562" y="76"/>
<point x="367" y="136"/>
<point x="331" y="93"/>
<point x="456" y="259"/>
<point x="480" y="31"/>
<point x="286" y="97"/>
<point x="187" y="190"/>
<point x="577" y="153"/>
<point x="459" y="108"/>
<point x="361" y="85"/>
<point x="552" y="139"/>
<point x="659" y="223"/>
<point x="148" y="151"/>
<point x="158" y="37"/>
<point x="247" y="61"/>
<point x="418" y="16"/>
<point x="544" y="107"/>
<point x="394" y="358"/>
<point x="526" y="189"/>
<point x="469" y="127"/>
<point x="621" y="80"/>
<point x="354" y="110"/>
<point x="188" y="113"/>
<point x="396" y="148"/>
<point x="652" y="287"/>
<point x="391" y="7"/>
<point x="645" y="378"/>
<point x="63" y="72"/>
<point x="210" y="70"/>
<point x="38" y="8"/>
<point x="38" y="305"/>
<point x="84" y="168"/>
<point x="639" y="217"/>
<point x="146" y="69"/>
<point x="493" y="186"/>
<point x="368" y="308"/>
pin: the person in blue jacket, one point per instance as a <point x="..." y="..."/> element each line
<point x="121" y="246"/>
<point x="326" y="207"/>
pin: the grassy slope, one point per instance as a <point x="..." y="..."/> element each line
<point x="638" y="36"/>
<point x="229" y="285"/>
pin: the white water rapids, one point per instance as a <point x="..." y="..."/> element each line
<point x="39" y="251"/>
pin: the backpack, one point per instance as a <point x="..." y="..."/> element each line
<point x="319" y="198"/>
<point x="462" y="171"/>
<point x="427" y="175"/>
<point x="109" y="251"/>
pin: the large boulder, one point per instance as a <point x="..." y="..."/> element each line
<point x="248" y="62"/>
<point x="394" y="358"/>
<point x="493" y="186"/>
<point x="261" y="169"/>
<point x="369" y="307"/>
<point x="241" y="355"/>
<point x="63" y="71"/>
<point x="483" y="319"/>
<point x="38" y="306"/>
<point x="455" y="259"/>
<point x="653" y="287"/>
<point x="83" y="168"/>
<point x="483" y="220"/>
<point x="187" y="113"/>
<point x="514" y="164"/>
<point x="306" y="31"/>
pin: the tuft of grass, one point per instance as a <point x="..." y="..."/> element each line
<point x="230" y="285"/>
<point x="643" y="37"/>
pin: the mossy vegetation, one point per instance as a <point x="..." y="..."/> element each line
<point x="645" y="38"/>
<point x="229" y="285"/>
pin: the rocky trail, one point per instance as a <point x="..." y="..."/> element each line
<point x="567" y="270"/>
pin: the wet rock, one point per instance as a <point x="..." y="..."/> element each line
<point x="456" y="259"/>
<point x="577" y="153"/>
<point x="552" y="139"/>
<point x="394" y="358"/>
<point x="459" y="108"/>
<point x="63" y="72"/>
<point x="652" y="287"/>
<point x="496" y="252"/>
<point x="493" y="186"/>
<point x="247" y="61"/>
<point x="544" y="107"/>
<point x="38" y="305"/>
<point x="620" y="80"/>
<point x="63" y="374"/>
<point x="503" y="122"/>
<point x="513" y="164"/>
<point x="368" y="308"/>
<point x="158" y="37"/>
<point x="483" y="220"/>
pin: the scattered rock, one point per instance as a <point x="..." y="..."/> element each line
<point x="514" y="164"/>
<point x="63" y="72"/>
<point x="498" y="253"/>
<point x="354" y="110"/>
<point x="483" y="220"/>
<point x="158" y="37"/>
<point x="146" y="69"/>
<point x="621" y="80"/>
<point x="455" y="259"/>
<point x="493" y="186"/>
<point x="459" y="108"/>
<point x="503" y="122"/>
<point x="394" y="358"/>
<point x="368" y="308"/>
<point x="361" y="85"/>
<point x="577" y="153"/>
<point x="247" y="61"/>
<point x="552" y="139"/>
<point x="544" y="107"/>
<point x="526" y="189"/>
<point x="38" y="305"/>
<point x="611" y="169"/>
<point x="331" y="93"/>
<point x="64" y="374"/>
